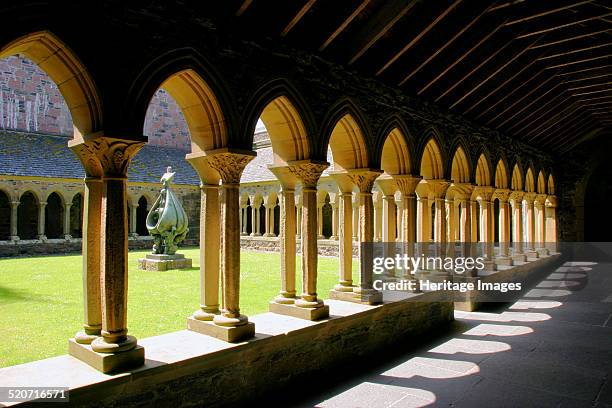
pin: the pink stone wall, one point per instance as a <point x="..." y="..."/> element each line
<point x="31" y="102"/>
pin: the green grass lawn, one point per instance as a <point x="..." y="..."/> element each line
<point x="41" y="301"/>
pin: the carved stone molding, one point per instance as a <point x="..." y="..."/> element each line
<point x="364" y="179"/>
<point x="105" y="156"/>
<point x="307" y="172"/>
<point x="406" y="184"/>
<point x="501" y="194"/>
<point x="229" y="165"/>
<point x="551" y="201"/>
<point x="516" y="195"/>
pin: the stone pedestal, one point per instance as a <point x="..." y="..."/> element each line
<point x="306" y="313"/>
<point x="161" y="262"/>
<point x="375" y="297"/>
<point x="504" y="260"/>
<point x="519" y="258"/>
<point x="107" y="362"/>
<point x="230" y="334"/>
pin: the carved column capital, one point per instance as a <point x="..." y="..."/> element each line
<point x="516" y="196"/>
<point x="307" y="171"/>
<point x="230" y="165"/>
<point x="551" y="201"/>
<point x="105" y="156"/>
<point x="406" y="184"/>
<point x="364" y="178"/>
<point x="501" y="194"/>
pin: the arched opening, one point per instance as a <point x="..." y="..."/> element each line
<point x="5" y="216"/>
<point x="529" y="181"/>
<point x="483" y="173"/>
<point x="431" y="161"/>
<point x="517" y="179"/>
<point x="597" y="197"/>
<point x="541" y="183"/>
<point x="347" y="145"/>
<point x="460" y="168"/>
<point x="276" y="215"/>
<point x="286" y="130"/>
<point x="54" y="216"/>
<point x="76" y="216"/>
<point x="141" y="217"/>
<point x="72" y="78"/>
<point x="27" y="216"/>
<point x="395" y="154"/>
<point x="501" y="175"/>
<point x="249" y="210"/>
<point x="326" y="212"/>
<point x="551" y="185"/>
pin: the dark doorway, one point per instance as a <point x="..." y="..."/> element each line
<point x="5" y="217"/>
<point x="141" y="217"/>
<point x="76" y="216"/>
<point x="27" y="217"/>
<point x="54" y="217"/>
<point x="597" y="197"/>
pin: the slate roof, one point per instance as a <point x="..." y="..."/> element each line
<point x="29" y="154"/>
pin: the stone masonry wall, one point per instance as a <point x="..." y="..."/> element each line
<point x="30" y="101"/>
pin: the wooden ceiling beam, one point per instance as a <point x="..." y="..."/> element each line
<point x="572" y="38"/>
<point x="344" y="24"/>
<point x="418" y="37"/>
<point x="589" y="86"/>
<point x="564" y="73"/>
<point x="588" y="78"/>
<point x="593" y="92"/>
<point x="377" y="26"/>
<point x="579" y="61"/>
<point x="243" y="7"/>
<point x="562" y="26"/>
<point x="568" y="143"/>
<point x="458" y="60"/>
<point x="575" y="116"/>
<point x="296" y="19"/>
<point x="561" y="54"/>
<point x="535" y="111"/>
<point x="551" y="122"/>
<point x="547" y="12"/>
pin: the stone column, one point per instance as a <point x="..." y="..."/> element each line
<point x="356" y="218"/>
<point x="389" y="218"/>
<point x="210" y="242"/>
<point x="267" y="221"/>
<point x="529" y="199"/>
<point x="440" y="226"/>
<point x="551" y="223"/>
<point x="334" y="235"/>
<point x="456" y="220"/>
<point x="450" y="227"/>
<point x="540" y="204"/>
<point x="517" y="252"/>
<point x="488" y="239"/>
<point x="109" y="159"/>
<point x="230" y="165"/>
<point x="504" y="228"/>
<point x="346" y="243"/>
<point x="67" y="220"/>
<point x="298" y="224"/>
<point x="424" y="214"/>
<point x="133" y="209"/>
<point x="41" y="220"/>
<point x="320" y="221"/>
<point x="466" y="226"/>
<point x="92" y="267"/>
<point x="399" y="210"/>
<point x="475" y="210"/>
<point x="377" y="219"/>
<point x="14" y="221"/>
<point x="287" y="246"/>
<point x="272" y="234"/>
<point x="406" y="184"/>
<point x="364" y="180"/>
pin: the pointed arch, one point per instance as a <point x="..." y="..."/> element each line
<point x="501" y="175"/>
<point x="517" y="178"/>
<point x="347" y="144"/>
<point x="529" y="181"/>
<point x="395" y="158"/>
<point x="460" y="167"/>
<point x="551" y="185"/>
<point x="69" y="74"/>
<point x="431" y="161"/>
<point x="201" y="108"/>
<point x="483" y="171"/>
<point x="541" y="183"/>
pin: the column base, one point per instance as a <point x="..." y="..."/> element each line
<point x="67" y="237"/>
<point x="519" y="258"/>
<point x="230" y="334"/>
<point x="284" y="300"/>
<point x="204" y="315"/>
<point x="531" y="254"/>
<point x="83" y="337"/>
<point x="489" y="266"/>
<point x="504" y="260"/>
<point x="244" y="234"/>
<point x="42" y="237"/>
<point x="13" y="238"/>
<point x="306" y="313"/>
<point x="162" y="262"/>
<point x="543" y="252"/>
<point x="267" y="234"/>
<point x="364" y="298"/>
<point x="107" y="362"/>
<point x="344" y="286"/>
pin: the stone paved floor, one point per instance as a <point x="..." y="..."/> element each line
<point x="553" y="348"/>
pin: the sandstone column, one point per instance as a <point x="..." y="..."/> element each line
<point x="517" y="200"/>
<point x="406" y="184"/>
<point x="92" y="267"/>
<point x="109" y="159"/>
<point x="504" y="227"/>
<point x="530" y="227"/>
<point x="356" y="218"/>
<point x="210" y="242"/>
<point x="334" y="235"/>
<point x="398" y="219"/>
<point x="551" y="223"/>
<point x="67" y="220"/>
<point x="364" y="180"/>
<point x="41" y="220"/>
<point x="14" y="215"/>
<point x="346" y="243"/>
<point x="287" y="246"/>
<point x="450" y="227"/>
<point x="298" y="217"/>
<point x="272" y="234"/>
<point x="319" y="220"/>
<point x="540" y="204"/>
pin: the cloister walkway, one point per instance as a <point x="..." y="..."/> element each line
<point x="552" y="348"/>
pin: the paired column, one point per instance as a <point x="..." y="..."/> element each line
<point x="345" y="247"/>
<point x="516" y="198"/>
<point x="14" y="215"/>
<point x="406" y="184"/>
<point x="133" y="211"/>
<point x="540" y="205"/>
<point x="502" y="196"/>
<point x="287" y="245"/>
<point x="67" y="220"/>
<point x="487" y="226"/>
<point x="364" y="180"/>
<point x="41" y="220"/>
<point x="551" y="223"/>
<point x="530" y="225"/>
<point x="107" y="160"/>
<point x="334" y="235"/>
<point x="243" y="220"/>
<point x="320" y="220"/>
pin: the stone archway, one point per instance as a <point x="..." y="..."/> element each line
<point x="5" y="216"/>
<point x="54" y="216"/>
<point x="27" y="215"/>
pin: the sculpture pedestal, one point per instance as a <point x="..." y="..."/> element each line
<point x="161" y="262"/>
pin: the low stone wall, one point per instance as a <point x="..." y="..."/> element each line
<point x="326" y="247"/>
<point x="189" y="369"/>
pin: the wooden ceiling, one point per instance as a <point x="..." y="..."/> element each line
<point x="537" y="70"/>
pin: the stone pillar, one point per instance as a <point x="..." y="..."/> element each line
<point x="450" y="227"/>
<point x="272" y="234"/>
<point x="406" y="184"/>
<point x="67" y="220"/>
<point x="487" y="229"/>
<point x="210" y="242"/>
<point x="298" y="224"/>
<point x="364" y="180"/>
<point x="475" y="210"/>
<point x="109" y="159"/>
<point x="356" y="218"/>
<point x="440" y="226"/>
<point x="551" y="223"/>
<point x="378" y="217"/>
<point x="504" y="228"/>
<point x="540" y="204"/>
<point x="14" y="221"/>
<point x="287" y="246"/>
<point x="41" y="220"/>
<point x="389" y="218"/>
<point x="529" y="199"/>
<point x="334" y="235"/>
<point x="133" y="209"/>
<point x="517" y="249"/>
<point x="466" y="226"/>
<point x="456" y="220"/>
<point x="92" y="267"/>
<point x="320" y="221"/>
<point x="399" y="210"/>
<point x="424" y="214"/>
<point x="345" y="248"/>
<point x="229" y="165"/>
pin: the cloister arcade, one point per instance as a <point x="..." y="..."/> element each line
<point x="395" y="181"/>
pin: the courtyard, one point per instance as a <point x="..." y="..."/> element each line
<point x="42" y="294"/>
